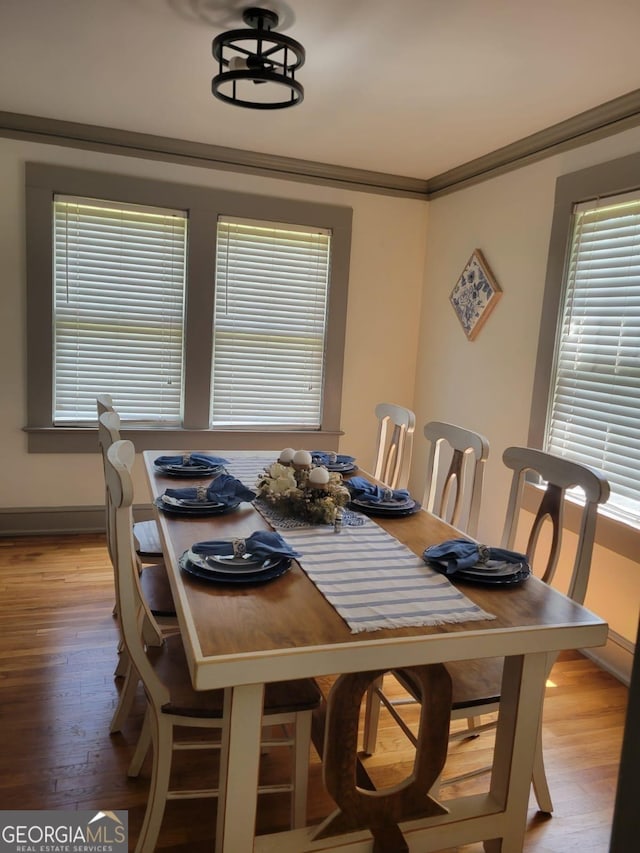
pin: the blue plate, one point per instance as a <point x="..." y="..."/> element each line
<point x="189" y="471"/>
<point x="193" y="511"/>
<point x="343" y="468"/>
<point x="476" y="574"/>
<point x="274" y="568"/>
<point x="385" y="510"/>
<point x="343" y="464"/>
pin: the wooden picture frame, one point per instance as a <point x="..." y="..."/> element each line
<point x="475" y="295"/>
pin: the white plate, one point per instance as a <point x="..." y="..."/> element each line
<point x="230" y="563"/>
<point x="407" y="503"/>
<point x="168" y="499"/>
<point x="494" y="569"/>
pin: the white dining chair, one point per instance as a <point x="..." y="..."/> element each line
<point x="554" y="482"/>
<point x="159" y="607"/>
<point x="148" y="545"/>
<point x="172" y="701"/>
<point x="555" y="478"/>
<point x="394" y="445"/>
<point x="453" y="492"/>
<point x="158" y="592"/>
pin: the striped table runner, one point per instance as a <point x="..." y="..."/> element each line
<point x="247" y="468"/>
<point x="372" y="580"/>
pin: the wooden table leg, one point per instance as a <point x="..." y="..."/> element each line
<point x="380" y="811"/>
<point x="522" y="695"/>
<point x="238" y="797"/>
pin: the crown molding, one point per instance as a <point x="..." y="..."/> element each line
<point x="131" y="144"/>
<point x="604" y="120"/>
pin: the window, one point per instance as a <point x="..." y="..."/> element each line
<point x="272" y="284"/>
<point x="577" y="193"/>
<point x="119" y="281"/>
<point x="197" y="309"/>
<point x="595" y="400"/>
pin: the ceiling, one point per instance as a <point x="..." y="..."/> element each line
<point x="404" y="87"/>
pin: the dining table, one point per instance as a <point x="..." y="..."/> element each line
<point x="240" y="637"/>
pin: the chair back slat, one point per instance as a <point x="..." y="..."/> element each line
<point x="453" y="484"/>
<point x="108" y="434"/>
<point x="394" y="444"/>
<point x="449" y="494"/>
<point x="104" y="403"/>
<point x="108" y="431"/>
<point x="551" y="510"/>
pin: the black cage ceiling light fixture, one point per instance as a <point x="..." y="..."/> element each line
<point x="257" y="66"/>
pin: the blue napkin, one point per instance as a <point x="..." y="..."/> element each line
<point x="195" y="460"/>
<point x="320" y="457"/>
<point x="367" y="492"/>
<point x="261" y="544"/>
<point x="456" y="555"/>
<point x="223" y="489"/>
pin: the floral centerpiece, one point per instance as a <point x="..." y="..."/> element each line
<point x="299" y="489"/>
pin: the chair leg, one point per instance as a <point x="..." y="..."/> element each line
<point x="372" y="717"/>
<point x="162" y="739"/>
<point x="300" y="773"/>
<point x="472" y="725"/>
<point x="122" y="666"/>
<point x="225" y="737"/>
<point x="125" y="700"/>
<point x="539" y="779"/>
<point x="151" y="631"/>
<point x="142" y="747"/>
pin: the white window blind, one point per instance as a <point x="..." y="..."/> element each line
<point x="270" y="324"/>
<point x="594" y="414"/>
<point x="119" y="279"/>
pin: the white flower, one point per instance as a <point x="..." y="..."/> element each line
<point x="277" y="470"/>
<point x="284" y="483"/>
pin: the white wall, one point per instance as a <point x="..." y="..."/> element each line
<point x="386" y="281"/>
<point x="487" y="384"/>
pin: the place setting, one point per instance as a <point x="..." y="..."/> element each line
<point x="380" y="501"/>
<point x="339" y="463"/>
<point x="223" y="494"/>
<point x="464" y="560"/>
<point x="259" y="558"/>
<point x="194" y="465"/>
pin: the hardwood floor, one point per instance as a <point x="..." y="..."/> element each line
<point x="57" y="656"/>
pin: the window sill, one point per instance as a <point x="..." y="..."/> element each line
<point x="612" y="534"/>
<point x="85" y="439"/>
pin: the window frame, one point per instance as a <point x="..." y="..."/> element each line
<point x="203" y="206"/>
<point x="605" y="179"/>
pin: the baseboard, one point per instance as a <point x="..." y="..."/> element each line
<point x="43" y="521"/>
<point x="616" y="657"/>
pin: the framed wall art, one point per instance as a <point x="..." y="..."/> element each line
<point x="475" y="295"/>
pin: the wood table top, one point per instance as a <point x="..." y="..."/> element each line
<point x="289" y="623"/>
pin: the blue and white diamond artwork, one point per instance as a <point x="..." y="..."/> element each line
<point x="475" y="295"/>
